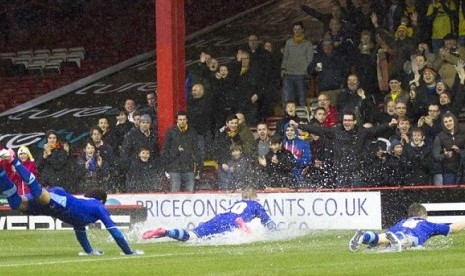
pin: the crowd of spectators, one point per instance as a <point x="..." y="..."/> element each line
<point x="390" y="78"/>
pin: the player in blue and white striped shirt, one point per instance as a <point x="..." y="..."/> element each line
<point x="408" y="232"/>
<point x="57" y="203"/>
<point x="235" y="217"/>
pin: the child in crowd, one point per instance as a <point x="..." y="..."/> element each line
<point x="92" y="170"/>
<point x="397" y="165"/>
<point x="420" y="155"/>
<point x="141" y="173"/>
<point x="236" y="170"/>
<point x="301" y="152"/>
<point x="278" y="164"/>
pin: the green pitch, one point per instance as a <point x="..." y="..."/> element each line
<point x="315" y="253"/>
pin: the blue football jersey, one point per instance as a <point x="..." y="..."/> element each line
<point x="78" y="212"/>
<point x="420" y="228"/>
<point x="245" y="209"/>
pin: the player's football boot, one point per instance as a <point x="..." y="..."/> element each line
<point x="7" y="155"/>
<point x="152" y="234"/>
<point x="243" y="226"/>
<point x="357" y="239"/>
<point x="396" y="244"/>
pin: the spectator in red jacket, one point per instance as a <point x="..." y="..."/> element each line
<point x="331" y="113"/>
<point x="25" y="156"/>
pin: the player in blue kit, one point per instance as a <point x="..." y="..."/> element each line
<point x="235" y="217"/>
<point x="57" y="203"/>
<point x="408" y="232"/>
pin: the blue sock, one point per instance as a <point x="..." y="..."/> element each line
<point x="9" y="190"/>
<point x="178" y="234"/>
<point x="370" y="238"/>
<point x="28" y="177"/>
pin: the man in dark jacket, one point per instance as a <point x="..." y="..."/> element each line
<point x="355" y="99"/>
<point x="181" y="154"/>
<point x="350" y="143"/>
<point x="200" y="114"/>
<point x="331" y="68"/>
<point x="136" y="138"/>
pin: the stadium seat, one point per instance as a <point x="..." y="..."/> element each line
<point x="57" y="57"/>
<point x="209" y="177"/>
<point x="302" y="112"/>
<point x="77" y="50"/>
<point x="42" y="53"/>
<point x="37" y="65"/>
<point x="22" y="60"/>
<point x="52" y="66"/>
<point x="29" y="53"/>
<point x="59" y="51"/>
<point x="271" y="122"/>
<point x="74" y="59"/>
<point x="8" y="56"/>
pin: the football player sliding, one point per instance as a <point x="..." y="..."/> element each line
<point x="57" y="203"/>
<point x="236" y="217"/>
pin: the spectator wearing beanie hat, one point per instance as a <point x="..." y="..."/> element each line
<point x="25" y="156"/>
<point x="401" y="44"/>
<point x="137" y="138"/>
<point x="396" y="93"/>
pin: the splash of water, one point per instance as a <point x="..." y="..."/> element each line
<point x="258" y="234"/>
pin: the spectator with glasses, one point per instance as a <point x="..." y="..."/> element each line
<point x="351" y="140"/>
<point x="331" y="114"/>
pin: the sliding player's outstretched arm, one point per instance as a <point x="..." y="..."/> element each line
<point x="266" y="220"/>
<point x="116" y="233"/>
<point x="81" y="236"/>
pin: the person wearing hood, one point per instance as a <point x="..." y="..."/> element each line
<point x="447" y="147"/>
<point x="26" y="158"/>
<point x="301" y="153"/>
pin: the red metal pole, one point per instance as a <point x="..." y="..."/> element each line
<point x="171" y="62"/>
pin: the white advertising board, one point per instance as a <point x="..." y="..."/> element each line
<point x="318" y="210"/>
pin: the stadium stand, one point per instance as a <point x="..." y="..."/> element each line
<point x="89" y="35"/>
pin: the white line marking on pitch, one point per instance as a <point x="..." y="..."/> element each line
<point x="83" y="259"/>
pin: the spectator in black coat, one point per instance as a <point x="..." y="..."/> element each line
<point x="224" y="138"/>
<point x="123" y="126"/>
<point x="350" y="142"/>
<point x="137" y="138"/>
<point x="398" y="166"/>
<point x="225" y="97"/>
<point x="181" y="154"/>
<point x="201" y="116"/>
<point x="52" y="163"/>
<point x="141" y="174"/>
<point x="331" y="69"/>
<point x="278" y="164"/>
<point x="420" y="156"/>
